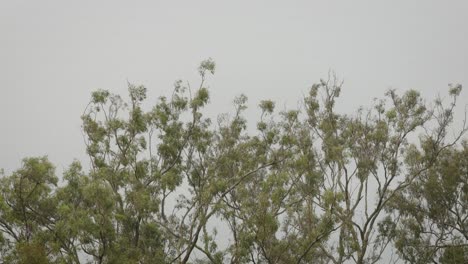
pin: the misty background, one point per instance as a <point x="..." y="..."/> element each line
<point x="53" y="54"/>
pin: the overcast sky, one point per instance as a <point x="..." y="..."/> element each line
<point x="54" y="53"/>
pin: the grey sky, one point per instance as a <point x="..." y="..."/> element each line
<point x="54" y="53"/>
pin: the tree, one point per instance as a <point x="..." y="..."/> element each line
<point x="366" y="160"/>
<point x="327" y="200"/>
<point x="27" y="213"/>
<point x="308" y="185"/>
<point x="433" y="212"/>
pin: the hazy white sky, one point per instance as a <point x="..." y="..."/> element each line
<point x="54" y="53"/>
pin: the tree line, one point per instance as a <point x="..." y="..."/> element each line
<point x="385" y="184"/>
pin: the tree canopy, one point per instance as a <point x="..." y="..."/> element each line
<point x="308" y="185"/>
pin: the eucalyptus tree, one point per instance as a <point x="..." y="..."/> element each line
<point x="308" y="185"/>
<point x="159" y="177"/>
<point x="27" y="214"/>
<point x="271" y="215"/>
<point x="137" y="162"/>
<point x="433" y="212"/>
<point x="326" y="200"/>
<point x="368" y="158"/>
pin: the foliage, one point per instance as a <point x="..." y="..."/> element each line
<point x="433" y="212"/>
<point x="308" y="185"/>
